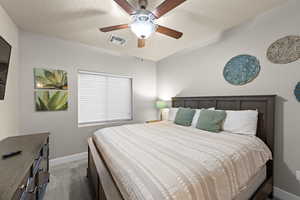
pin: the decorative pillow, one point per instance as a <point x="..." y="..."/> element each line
<point x="196" y="116"/>
<point x="241" y="122"/>
<point x="184" y="116"/>
<point x="172" y="114"/>
<point x="211" y="120"/>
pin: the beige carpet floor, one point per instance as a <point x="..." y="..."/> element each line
<point x="68" y="182"/>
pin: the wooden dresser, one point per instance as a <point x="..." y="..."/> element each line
<point x="24" y="176"/>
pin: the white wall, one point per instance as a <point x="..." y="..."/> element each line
<point x="199" y="73"/>
<point x="38" y="51"/>
<point x="9" y="106"/>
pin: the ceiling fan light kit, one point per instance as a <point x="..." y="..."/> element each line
<point x="143" y="23"/>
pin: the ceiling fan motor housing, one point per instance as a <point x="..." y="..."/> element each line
<point x="143" y="4"/>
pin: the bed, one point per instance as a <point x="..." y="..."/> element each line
<point x="166" y="161"/>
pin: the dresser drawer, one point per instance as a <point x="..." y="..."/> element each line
<point x="36" y="165"/>
<point x="21" y="188"/>
<point x="28" y="190"/>
<point x="45" y="151"/>
<point x="41" y="162"/>
<point x="43" y="178"/>
<point x="30" y="195"/>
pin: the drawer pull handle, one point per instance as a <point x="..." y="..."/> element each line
<point x="22" y="187"/>
<point x="32" y="191"/>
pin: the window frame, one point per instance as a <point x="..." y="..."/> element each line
<point x="96" y="123"/>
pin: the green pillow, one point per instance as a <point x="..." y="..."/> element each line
<point x="184" y="116"/>
<point x="211" y="120"/>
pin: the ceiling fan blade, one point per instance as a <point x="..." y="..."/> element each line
<point x="114" y="28"/>
<point x="169" y="32"/>
<point x="166" y="6"/>
<point x="141" y="43"/>
<point x="126" y="6"/>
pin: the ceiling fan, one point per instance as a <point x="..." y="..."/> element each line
<point x="143" y="23"/>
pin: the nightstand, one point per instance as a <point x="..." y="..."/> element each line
<point x="153" y="121"/>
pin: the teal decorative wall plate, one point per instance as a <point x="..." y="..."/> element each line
<point x="241" y="69"/>
<point x="297" y="91"/>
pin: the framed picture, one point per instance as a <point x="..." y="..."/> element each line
<point x="50" y="79"/>
<point x="51" y="100"/>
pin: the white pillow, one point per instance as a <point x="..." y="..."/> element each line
<point x="197" y="115"/>
<point x="241" y="122"/>
<point x="172" y="114"/>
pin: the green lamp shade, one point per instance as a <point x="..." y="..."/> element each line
<point x="161" y="104"/>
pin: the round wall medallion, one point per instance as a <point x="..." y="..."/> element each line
<point x="284" y="50"/>
<point x="297" y="91"/>
<point x="241" y="69"/>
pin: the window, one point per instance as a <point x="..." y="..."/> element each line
<point x="103" y="98"/>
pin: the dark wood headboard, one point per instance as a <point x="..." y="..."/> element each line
<point x="264" y="104"/>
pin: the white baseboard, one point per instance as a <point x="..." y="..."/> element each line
<point x="284" y="195"/>
<point x="66" y="159"/>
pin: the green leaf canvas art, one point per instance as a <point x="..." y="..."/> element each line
<point x="50" y="79"/>
<point x="51" y="100"/>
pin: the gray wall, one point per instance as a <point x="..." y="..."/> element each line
<point x="200" y="73"/>
<point x="9" y="106"/>
<point x="193" y="74"/>
<point x="38" y="51"/>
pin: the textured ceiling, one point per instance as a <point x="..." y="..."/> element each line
<point x="79" y="20"/>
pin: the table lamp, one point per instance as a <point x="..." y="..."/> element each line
<point x="161" y="105"/>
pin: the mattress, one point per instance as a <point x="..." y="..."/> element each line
<point x="253" y="184"/>
<point x="164" y="161"/>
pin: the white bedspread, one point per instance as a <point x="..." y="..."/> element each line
<point x="163" y="161"/>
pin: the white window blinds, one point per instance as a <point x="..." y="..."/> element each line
<point x="103" y="97"/>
